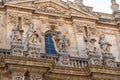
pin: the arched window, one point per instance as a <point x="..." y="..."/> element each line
<point x="49" y="44"/>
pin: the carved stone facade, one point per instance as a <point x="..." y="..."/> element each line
<point x="57" y="40"/>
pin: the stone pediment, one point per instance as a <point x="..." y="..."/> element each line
<point x="51" y="8"/>
<point x="54" y="7"/>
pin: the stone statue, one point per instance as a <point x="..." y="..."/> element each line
<point x="16" y="33"/>
<point x="30" y="30"/>
<point x="79" y="2"/>
<point x="104" y="45"/>
<point x="32" y="35"/>
<point x="114" y="6"/>
<point x="90" y="43"/>
<point x="62" y="43"/>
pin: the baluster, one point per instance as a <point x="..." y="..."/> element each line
<point x="79" y="64"/>
<point x="82" y="64"/>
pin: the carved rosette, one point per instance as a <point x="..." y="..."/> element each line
<point x="12" y="17"/>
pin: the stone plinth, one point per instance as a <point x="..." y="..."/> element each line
<point x="94" y="58"/>
<point x="64" y="60"/>
<point x="109" y="60"/>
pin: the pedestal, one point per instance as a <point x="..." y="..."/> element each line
<point x="64" y="59"/>
<point x="94" y="58"/>
<point x="109" y="60"/>
<point x="17" y="49"/>
<point x="34" y="50"/>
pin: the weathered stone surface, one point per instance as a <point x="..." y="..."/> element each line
<point x="87" y="49"/>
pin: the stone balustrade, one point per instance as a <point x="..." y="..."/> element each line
<point x="49" y="57"/>
<point x="73" y="61"/>
<point x="78" y="62"/>
<point x="5" y="51"/>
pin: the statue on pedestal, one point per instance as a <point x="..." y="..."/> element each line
<point x="33" y="42"/>
<point x="90" y="42"/>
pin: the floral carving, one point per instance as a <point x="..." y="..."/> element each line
<point x="49" y="8"/>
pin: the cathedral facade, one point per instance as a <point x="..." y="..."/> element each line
<point x="58" y="40"/>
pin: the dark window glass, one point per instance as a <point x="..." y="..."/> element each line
<point x="49" y="44"/>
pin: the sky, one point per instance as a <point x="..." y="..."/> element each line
<point x="99" y="5"/>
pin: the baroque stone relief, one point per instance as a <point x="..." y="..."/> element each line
<point x="32" y="36"/>
<point x="104" y="45"/>
<point x="27" y="19"/>
<point x="50" y="8"/>
<point x="18" y="76"/>
<point x="36" y="77"/>
<point x="17" y="33"/>
<point x="62" y="43"/>
<point x="12" y="17"/>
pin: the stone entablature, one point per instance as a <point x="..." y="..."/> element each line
<point x="20" y="68"/>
